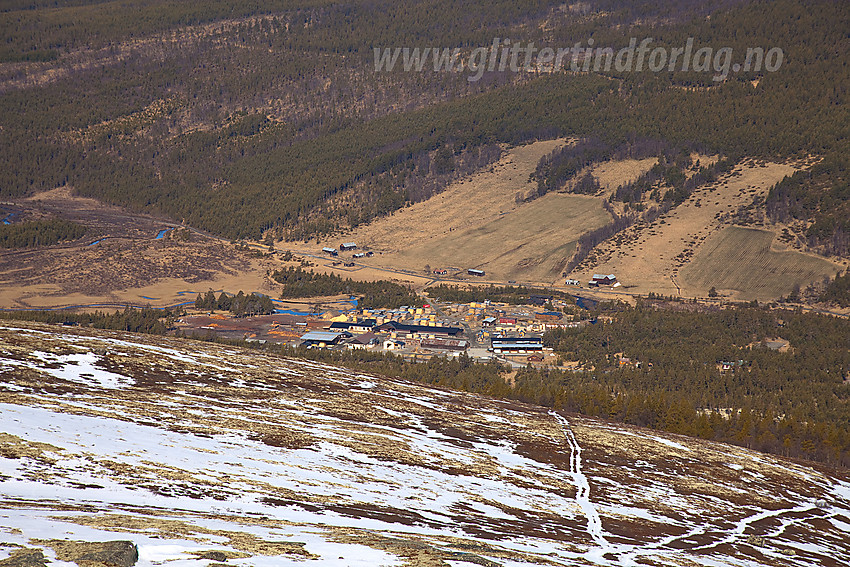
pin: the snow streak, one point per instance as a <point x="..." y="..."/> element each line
<point x="594" y="522"/>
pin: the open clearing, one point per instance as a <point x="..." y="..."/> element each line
<point x="198" y="453"/>
<point x="741" y="261"/>
<point x="649" y="258"/>
<point x="123" y="258"/>
<point x="477" y="222"/>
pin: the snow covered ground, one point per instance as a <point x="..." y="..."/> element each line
<point x="187" y="448"/>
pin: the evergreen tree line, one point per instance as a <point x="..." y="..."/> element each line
<point x="513" y="295"/>
<point x="240" y="304"/>
<point x="147" y="320"/>
<point x="820" y="194"/>
<point x="39" y="233"/>
<point x="838" y="290"/>
<point x="241" y="174"/>
<point x="297" y="282"/>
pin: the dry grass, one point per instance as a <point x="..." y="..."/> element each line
<point x="742" y="262"/>
<point x="480" y="222"/>
<point x="650" y="258"/>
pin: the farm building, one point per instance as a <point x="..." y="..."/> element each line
<point x="346" y="246"/>
<point x="602" y="279"/>
<point x="331" y="251"/>
<point x="359" y="255"/>
<point x="572" y="282"/>
<point x="474" y="272"/>
<point x="323" y="339"/>
<point x="516" y="344"/>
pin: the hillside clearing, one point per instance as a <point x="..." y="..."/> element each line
<point x="649" y="258"/>
<point x="742" y="262"/>
<point x="483" y="221"/>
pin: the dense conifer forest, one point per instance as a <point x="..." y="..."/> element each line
<point x="239" y="304"/>
<point x="297" y="282"/>
<point x="39" y="233"/>
<point x="244" y="117"/>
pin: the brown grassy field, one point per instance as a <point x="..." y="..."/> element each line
<point x="478" y="222"/>
<point x="742" y="262"/>
<point x="650" y="258"/>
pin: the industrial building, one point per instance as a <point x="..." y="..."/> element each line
<point x="361" y="326"/>
<point x="323" y="339"/>
<point x="516" y="344"/>
<point x="445" y="344"/>
<point x="394" y="326"/>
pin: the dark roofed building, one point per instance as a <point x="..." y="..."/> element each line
<point x="516" y="344"/>
<point x="362" y="326"/>
<point x="445" y="344"/>
<point x="421" y="329"/>
<point x="363" y="341"/>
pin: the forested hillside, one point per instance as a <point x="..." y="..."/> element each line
<point x="238" y="117"/>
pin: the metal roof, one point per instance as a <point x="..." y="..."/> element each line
<point x="427" y="329"/>
<point x="524" y="340"/>
<point x="321" y="336"/>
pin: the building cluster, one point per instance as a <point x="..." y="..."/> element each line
<point x="481" y="329"/>
<point x="347" y="247"/>
<point x="484" y="330"/>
